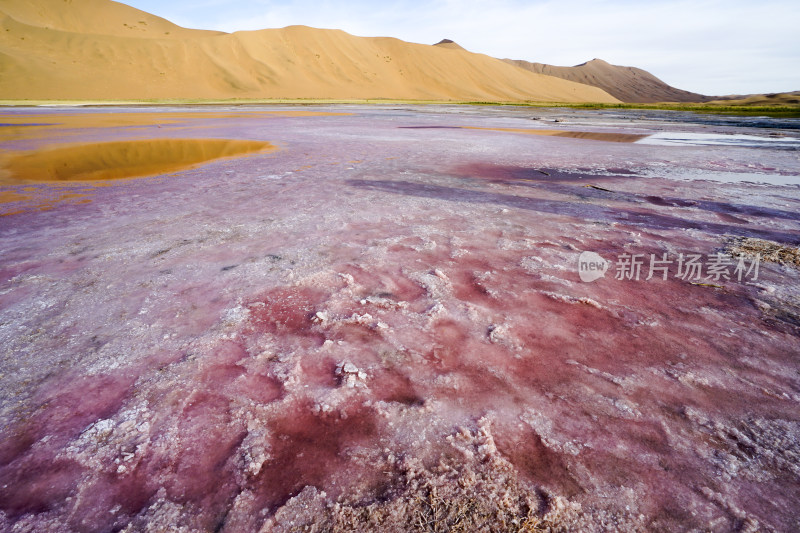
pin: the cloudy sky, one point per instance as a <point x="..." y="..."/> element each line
<point x="707" y="46"/>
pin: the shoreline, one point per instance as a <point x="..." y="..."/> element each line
<point x="781" y="111"/>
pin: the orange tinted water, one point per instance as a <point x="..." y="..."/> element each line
<point x="120" y="159"/>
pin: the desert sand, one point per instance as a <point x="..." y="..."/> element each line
<point x="628" y="84"/>
<point x="100" y="49"/>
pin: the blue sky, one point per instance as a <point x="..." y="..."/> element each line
<point x="712" y="47"/>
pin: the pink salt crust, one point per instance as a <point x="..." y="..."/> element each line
<point x="177" y="345"/>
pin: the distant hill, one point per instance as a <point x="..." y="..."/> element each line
<point x="104" y="50"/>
<point x="792" y="98"/>
<point x="628" y="84"/>
<point x="447" y="43"/>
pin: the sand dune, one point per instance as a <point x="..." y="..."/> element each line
<point x="447" y="43"/>
<point x="97" y="17"/>
<point x="100" y="49"/>
<point x="792" y="98"/>
<point x="628" y="84"/>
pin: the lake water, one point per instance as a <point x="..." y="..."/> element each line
<point x="385" y="312"/>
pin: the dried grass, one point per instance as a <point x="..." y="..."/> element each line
<point x="771" y="251"/>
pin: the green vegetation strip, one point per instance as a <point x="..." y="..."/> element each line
<point x="779" y="111"/>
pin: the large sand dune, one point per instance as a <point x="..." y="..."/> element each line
<point x="98" y="49"/>
<point x="629" y="84"/>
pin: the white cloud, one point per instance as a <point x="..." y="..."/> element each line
<point x="707" y="46"/>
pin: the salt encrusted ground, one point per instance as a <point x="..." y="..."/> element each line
<point x="382" y="326"/>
